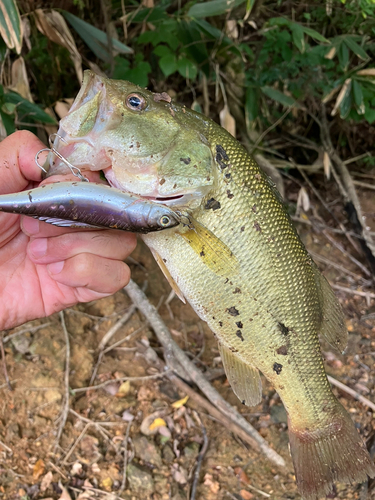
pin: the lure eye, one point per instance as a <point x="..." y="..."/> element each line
<point x="165" y="221"/>
<point x="136" y="102"/>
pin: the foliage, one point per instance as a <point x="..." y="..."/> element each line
<point x="262" y="56"/>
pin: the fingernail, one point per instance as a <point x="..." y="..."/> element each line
<point x="56" y="267"/>
<point x="30" y="225"/>
<point x="38" y="247"/>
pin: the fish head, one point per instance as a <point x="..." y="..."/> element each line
<point x="143" y="143"/>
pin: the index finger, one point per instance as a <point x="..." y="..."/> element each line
<point x="18" y="169"/>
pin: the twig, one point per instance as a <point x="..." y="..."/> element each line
<point x="125" y="443"/>
<point x="263" y="493"/>
<point x="6" y="376"/>
<point x="324" y="260"/>
<point x="345" y="252"/>
<point x="114" y="380"/>
<point x="173" y="351"/>
<point x="121" y="322"/>
<point x="57" y="469"/>
<point x="65" y="408"/>
<point x="25" y="330"/>
<point x="353" y="292"/>
<point x="199" y="458"/>
<point x="76" y="443"/>
<point x="6" y="447"/>
<point x="352" y="392"/>
<point x="364" y="185"/>
<point x="274" y="125"/>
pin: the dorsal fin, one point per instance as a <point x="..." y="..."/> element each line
<point x="243" y="378"/>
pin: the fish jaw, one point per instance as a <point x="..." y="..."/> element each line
<point x="149" y="153"/>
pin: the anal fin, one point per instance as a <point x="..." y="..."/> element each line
<point x="168" y="276"/>
<point x="243" y="378"/>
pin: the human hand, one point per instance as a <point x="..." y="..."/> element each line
<point x="43" y="268"/>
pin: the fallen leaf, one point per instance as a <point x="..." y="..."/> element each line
<point x="38" y="469"/>
<point x="65" y="494"/>
<point x="46" y="481"/>
<point x="158" y="422"/>
<point x="366" y="72"/>
<point x="180" y="402"/>
<point x="179" y="474"/>
<point x="213" y="485"/>
<point x="240" y="473"/>
<point x="246" y="495"/>
<point x="20" y="81"/>
<point x="124" y="389"/>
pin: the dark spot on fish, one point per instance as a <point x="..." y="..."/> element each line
<point x="233" y="311"/>
<point x="208" y="178"/>
<point x="220" y="323"/>
<point x="161" y="182"/>
<point x="229" y="194"/>
<point x="221" y="156"/>
<point x="138" y="144"/>
<point x="251" y="319"/>
<point x="257" y="227"/>
<point x="232" y="349"/>
<point x="237" y="290"/>
<point x="277" y="368"/>
<point x="228" y="176"/>
<point x="212" y="204"/>
<point x="131" y="146"/>
<point x="243" y="228"/>
<point x="174" y="186"/>
<point x="243" y="401"/>
<point x="226" y="281"/>
<point x="283" y="350"/>
<point x="239" y="335"/>
<point x="186" y="160"/>
<point x="122" y="114"/>
<point x="239" y="324"/>
<point x="284" y="329"/>
<point x="30" y="197"/>
<point x="202" y="254"/>
<point x="164" y="260"/>
<point x="254" y="209"/>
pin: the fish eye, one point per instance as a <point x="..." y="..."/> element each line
<point x="136" y="102"/>
<point x="165" y="221"/>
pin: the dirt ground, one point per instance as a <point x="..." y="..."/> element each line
<point x="89" y="462"/>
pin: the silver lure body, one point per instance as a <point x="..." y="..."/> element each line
<point x="84" y="204"/>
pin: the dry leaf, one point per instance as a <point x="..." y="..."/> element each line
<point x="53" y="26"/>
<point x="46" y="481"/>
<point x="246" y="495"/>
<point x="366" y="72"/>
<point x="327" y="165"/>
<point x="331" y="53"/>
<point x="303" y="200"/>
<point x="65" y="494"/>
<point x="124" y="389"/>
<point x="26" y="31"/>
<point x="213" y="485"/>
<point x="227" y="121"/>
<point x="231" y="29"/>
<point x="341" y="95"/>
<point x="20" y="82"/>
<point x="240" y="473"/>
<point x="38" y="469"/>
<point x="179" y="474"/>
<point x="180" y="402"/>
<point x="158" y="422"/>
<point x="330" y="95"/>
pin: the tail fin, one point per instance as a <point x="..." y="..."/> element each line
<point x="324" y="456"/>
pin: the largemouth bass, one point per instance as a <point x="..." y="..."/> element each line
<point x="240" y="263"/>
<point x="84" y="204"/>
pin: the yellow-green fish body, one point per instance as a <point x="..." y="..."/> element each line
<point x="238" y="260"/>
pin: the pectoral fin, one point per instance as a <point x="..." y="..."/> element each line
<point x="244" y="379"/>
<point x="332" y="325"/>
<point x="168" y="276"/>
<point x="213" y="252"/>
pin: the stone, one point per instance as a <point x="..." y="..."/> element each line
<point x="140" y="481"/>
<point x="147" y="451"/>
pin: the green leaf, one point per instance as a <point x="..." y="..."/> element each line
<point x="27" y="109"/>
<point x="354" y="47"/>
<point x="120" y="71"/>
<point x="315" y="35"/>
<point x="187" y="69"/>
<point x="343" y="55"/>
<point x="213" y="8"/>
<point x="279" y="21"/>
<point x="10" y="25"/>
<point x="358" y="97"/>
<point x="298" y="37"/>
<point x="370" y="115"/>
<point x="95" y="39"/>
<point x="168" y="64"/>
<point x="162" y="50"/>
<point x="8" y="108"/>
<point x="8" y="122"/>
<point x="278" y="96"/>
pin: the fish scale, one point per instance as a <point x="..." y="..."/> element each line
<point x="239" y="261"/>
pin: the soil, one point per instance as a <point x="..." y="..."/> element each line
<point x="88" y="461"/>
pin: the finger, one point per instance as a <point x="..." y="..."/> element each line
<point x="92" y="272"/>
<point x="110" y="244"/>
<point x="18" y="169"/>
